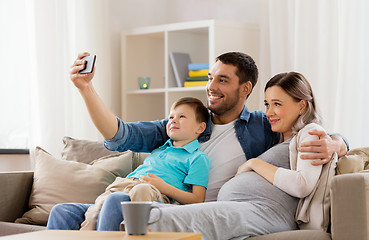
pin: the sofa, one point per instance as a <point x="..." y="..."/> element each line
<point x="349" y="195"/>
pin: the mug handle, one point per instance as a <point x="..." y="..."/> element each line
<point x="156" y="219"/>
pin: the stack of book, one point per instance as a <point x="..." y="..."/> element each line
<point x="197" y="74"/>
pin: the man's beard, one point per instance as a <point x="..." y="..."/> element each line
<point x="225" y="106"/>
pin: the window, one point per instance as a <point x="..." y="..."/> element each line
<point x="14" y="72"/>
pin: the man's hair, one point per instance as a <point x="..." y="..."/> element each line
<point x="246" y="66"/>
<point x="201" y="112"/>
<point x="297" y="87"/>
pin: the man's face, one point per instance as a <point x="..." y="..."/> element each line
<point x="223" y="89"/>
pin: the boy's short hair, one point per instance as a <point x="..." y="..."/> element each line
<point x="201" y="112"/>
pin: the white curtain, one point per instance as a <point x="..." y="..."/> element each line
<point x="14" y="65"/>
<point x="327" y="41"/>
<point x="58" y="31"/>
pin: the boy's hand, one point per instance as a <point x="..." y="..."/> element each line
<point x="154" y="180"/>
<point x="80" y="80"/>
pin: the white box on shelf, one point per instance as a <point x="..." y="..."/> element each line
<point x="179" y="63"/>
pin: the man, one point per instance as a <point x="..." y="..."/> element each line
<point x="233" y="134"/>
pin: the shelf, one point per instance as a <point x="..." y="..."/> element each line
<point x="162" y="90"/>
<point x="186" y="89"/>
<point x="145" y="53"/>
<point x="147" y="91"/>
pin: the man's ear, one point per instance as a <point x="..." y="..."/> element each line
<point x="246" y="88"/>
<point x="201" y="128"/>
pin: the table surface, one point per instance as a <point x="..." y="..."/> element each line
<point x="92" y="235"/>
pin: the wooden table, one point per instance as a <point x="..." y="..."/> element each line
<point x="94" y="235"/>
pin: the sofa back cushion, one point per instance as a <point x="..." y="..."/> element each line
<point x="84" y="151"/>
<point x="60" y="181"/>
<point x="355" y="160"/>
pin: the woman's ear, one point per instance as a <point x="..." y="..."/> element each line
<point x="201" y="128"/>
<point x="303" y="105"/>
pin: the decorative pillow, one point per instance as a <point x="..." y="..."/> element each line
<point x="355" y="160"/>
<point x="59" y="181"/>
<point x="83" y="150"/>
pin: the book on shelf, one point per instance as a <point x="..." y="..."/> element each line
<point x="198" y="66"/>
<point x="197" y="78"/>
<point x="198" y="73"/>
<point x="195" y="83"/>
<point x="180" y="63"/>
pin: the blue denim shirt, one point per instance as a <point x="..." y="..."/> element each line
<point x="253" y="131"/>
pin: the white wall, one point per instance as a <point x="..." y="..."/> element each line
<point x="139" y="13"/>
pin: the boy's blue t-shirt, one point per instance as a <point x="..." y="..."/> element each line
<point x="180" y="167"/>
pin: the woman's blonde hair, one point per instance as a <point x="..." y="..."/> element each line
<point x="296" y="86"/>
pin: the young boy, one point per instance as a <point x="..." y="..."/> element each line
<point x="177" y="171"/>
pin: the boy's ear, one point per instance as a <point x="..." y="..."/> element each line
<point x="202" y="128"/>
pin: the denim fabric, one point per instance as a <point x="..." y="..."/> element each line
<point x="110" y="215"/>
<point x="252" y="129"/>
<point x="69" y="216"/>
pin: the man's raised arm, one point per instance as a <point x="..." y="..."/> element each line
<point x="104" y="120"/>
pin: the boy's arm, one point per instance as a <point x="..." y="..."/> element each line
<point x="196" y="196"/>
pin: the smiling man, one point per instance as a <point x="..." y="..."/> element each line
<point x="224" y="93"/>
<point x="232" y="135"/>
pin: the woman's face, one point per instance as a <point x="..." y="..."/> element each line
<point x="282" y="110"/>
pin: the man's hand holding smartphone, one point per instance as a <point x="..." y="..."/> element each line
<point x="82" y="70"/>
<point x="89" y="64"/>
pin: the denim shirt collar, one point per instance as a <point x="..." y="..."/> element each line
<point x="245" y="115"/>
<point x="189" y="147"/>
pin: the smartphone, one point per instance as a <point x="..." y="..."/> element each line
<point x="90" y="63"/>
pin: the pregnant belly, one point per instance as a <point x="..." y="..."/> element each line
<point x="250" y="186"/>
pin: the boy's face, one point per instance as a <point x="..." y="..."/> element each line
<point x="183" y="127"/>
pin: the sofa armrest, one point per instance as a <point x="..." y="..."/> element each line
<point x="350" y="206"/>
<point x="15" y="189"/>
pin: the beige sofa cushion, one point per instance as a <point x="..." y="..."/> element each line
<point x="355" y="160"/>
<point x="83" y="150"/>
<point x="59" y="181"/>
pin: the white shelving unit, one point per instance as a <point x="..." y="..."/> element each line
<point x="145" y="52"/>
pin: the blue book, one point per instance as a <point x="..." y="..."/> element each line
<point x="198" y="66"/>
